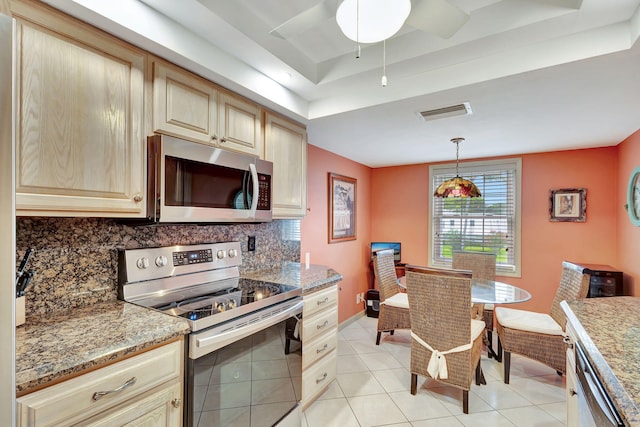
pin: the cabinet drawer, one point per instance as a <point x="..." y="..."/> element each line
<point x="318" y="377"/>
<point x="319" y="347"/>
<point x="75" y="399"/>
<point x="320" y="300"/>
<point x="312" y="326"/>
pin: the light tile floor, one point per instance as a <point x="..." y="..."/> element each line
<point x="372" y="389"/>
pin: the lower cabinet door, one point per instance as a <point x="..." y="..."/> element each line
<point x="161" y="408"/>
<point x="318" y="377"/>
<point x="571" y="391"/>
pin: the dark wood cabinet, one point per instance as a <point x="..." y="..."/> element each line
<point x="606" y="281"/>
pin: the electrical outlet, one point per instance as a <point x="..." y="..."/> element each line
<point x="358" y="299"/>
<point x="251" y="243"/>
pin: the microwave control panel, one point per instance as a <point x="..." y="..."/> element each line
<point x="264" y="192"/>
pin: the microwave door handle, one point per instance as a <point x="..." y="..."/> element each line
<point x="256" y="192"/>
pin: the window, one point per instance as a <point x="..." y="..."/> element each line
<point x="490" y="223"/>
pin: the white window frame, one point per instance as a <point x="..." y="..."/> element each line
<point x="468" y="168"/>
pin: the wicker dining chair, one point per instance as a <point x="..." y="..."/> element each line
<point x="442" y="332"/>
<point x="482" y="266"/>
<point x="539" y="336"/>
<point x="394" y="307"/>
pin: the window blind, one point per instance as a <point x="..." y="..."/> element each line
<point x="485" y="224"/>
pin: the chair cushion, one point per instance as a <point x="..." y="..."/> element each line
<point x="488" y="306"/>
<point x="477" y="327"/>
<point x="397" y="300"/>
<point x="528" y="321"/>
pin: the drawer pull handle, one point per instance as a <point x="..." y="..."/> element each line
<point x="568" y="342"/>
<point x="176" y="402"/>
<point x="322" y="378"/>
<point x="324" y="301"/>
<point x="320" y="350"/>
<point x="100" y="394"/>
<point x="326" y="322"/>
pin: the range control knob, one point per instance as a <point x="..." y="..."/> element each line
<point x="142" y="263"/>
<point x="161" y="261"/>
<point x="221" y="254"/>
<point x="233" y="253"/>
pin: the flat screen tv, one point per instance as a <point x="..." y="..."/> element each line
<point x="396" y="246"/>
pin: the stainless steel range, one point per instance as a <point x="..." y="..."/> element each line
<point x="238" y="369"/>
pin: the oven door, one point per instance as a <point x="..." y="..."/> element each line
<point x="240" y="373"/>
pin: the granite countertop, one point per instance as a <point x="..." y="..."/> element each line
<point x="609" y="330"/>
<point x="51" y="348"/>
<point x="310" y="279"/>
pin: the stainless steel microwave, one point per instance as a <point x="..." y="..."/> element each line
<point x="193" y="182"/>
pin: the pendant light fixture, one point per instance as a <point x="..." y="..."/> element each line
<point x="457" y="187"/>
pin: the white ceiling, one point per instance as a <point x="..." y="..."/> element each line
<point x="540" y="75"/>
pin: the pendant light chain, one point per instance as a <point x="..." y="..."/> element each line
<point x="457" y="141"/>
<point x="358" y="27"/>
<point x="384" y="63"/>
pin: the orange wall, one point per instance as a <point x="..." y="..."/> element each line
<point x="350" y="258"/>
<point x="393" y="205"/>
<point x="400" y="211"/>
<point x="628" y="234"/>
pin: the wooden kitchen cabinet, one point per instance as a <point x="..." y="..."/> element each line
<point x="191" y="107"/>
<point x="79" y="118"/>
<point x="153" y="396"/>
<point x="285" y="145"/>
<point x="319" y="342"/>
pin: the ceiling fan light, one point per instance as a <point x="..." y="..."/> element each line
<point x="371" y="21"/>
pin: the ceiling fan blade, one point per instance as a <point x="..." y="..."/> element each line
<point x="569" y="4"/>
<point x="305" y="20"/>
<point x="437" y="17"/>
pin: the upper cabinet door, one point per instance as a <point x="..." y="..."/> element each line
<point x="187" y="106"/>
<point x="184" y="105"/>
<point x="286" y="147"/>
<point x="80" y="119"/>
<point x="240" y="124"/>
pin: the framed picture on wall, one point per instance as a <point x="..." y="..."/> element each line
<point x="342" y="208"/>
<point x="568" y="205"/>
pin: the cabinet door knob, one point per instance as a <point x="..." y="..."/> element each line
<point x="572" y="392"/>
<point x="214" y="138"/>
<point x="568" y="342"/>
<point x="137" y="197"/>
<point x="176" y="402"/>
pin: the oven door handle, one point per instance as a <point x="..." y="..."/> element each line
<point x="232" y="335"/>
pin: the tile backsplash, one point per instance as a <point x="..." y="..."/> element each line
<point x="75" y="261"/>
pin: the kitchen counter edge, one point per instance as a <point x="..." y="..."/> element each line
<point x="59" y="346"/>
<point x="626" y="404"/>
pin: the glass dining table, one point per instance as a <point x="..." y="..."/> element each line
<point x="494" y="292"/>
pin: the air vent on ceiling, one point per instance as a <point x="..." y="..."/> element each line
<point x="463" y="109"/>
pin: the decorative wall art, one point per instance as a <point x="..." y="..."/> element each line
<point x="342" y="208"/>
<point x="568" y="205"/>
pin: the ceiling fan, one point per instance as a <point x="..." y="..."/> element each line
<point x="439" y="17"/>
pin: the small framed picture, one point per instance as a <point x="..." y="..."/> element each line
<point x="342" y="208"/>
<point x="568" y="205"/>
